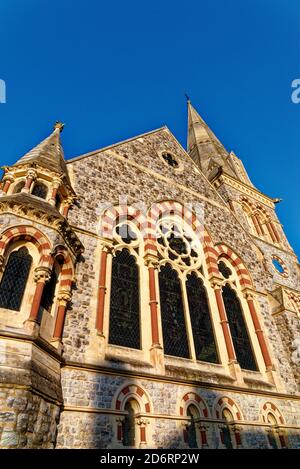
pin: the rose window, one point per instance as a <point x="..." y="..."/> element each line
<point x="177" y="245"/>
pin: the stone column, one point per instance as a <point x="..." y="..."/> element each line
<point x="237" y="434"/>
<point x="8" y="180"/>
<point x="42" y="275"/>
<point x="67" y="205"/>
<point x="152" y="265"/>
<point x="156" y="351"/>
<point x="203" y="429"/>
<point x="102" y="289"/>
<point x="142" y="423"/>
<point x="63" y="298"/>
<point x="258" y="330"/>
<point x="55" y="186"/>
<point x="224" y="322"/>
<point x="30" y="177"/>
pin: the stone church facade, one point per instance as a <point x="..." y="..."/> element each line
<point x="149" y="298"/>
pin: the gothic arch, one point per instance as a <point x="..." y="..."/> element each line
<point x="226" y="402"/>
<point x="132" y="391"/>
<point x="193" y="398"/>
<point x="111" y="215"/>
<point x="236" y="262"/>
<point x="270" y="408"/>
<point x="28" y="233"/>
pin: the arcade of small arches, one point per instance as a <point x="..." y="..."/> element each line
<point x="41" y="185"/>
<point x="260" y="221"/>
<point x="195" y="421"/>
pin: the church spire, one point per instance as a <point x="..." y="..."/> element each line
<point x="205" y="148"/>
<point x="48" y="154"/>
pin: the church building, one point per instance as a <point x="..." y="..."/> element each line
<point x="149" y="298"/>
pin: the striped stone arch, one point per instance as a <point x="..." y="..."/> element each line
<point x="237" y="264"/>
<point x="169" y="207"/>
<point x="196" y="400"/>
<point x="295" y="300"/>
<point x="226" y="403"/>
<point x="250" y="205"/>
<point x="133" y="391"/>
<point x="270" y="408"/>
<point x="124" y="212"/>
<point x="260" y="209"/>
<point x="28" y="233"/>
<point x="68" y="271"/>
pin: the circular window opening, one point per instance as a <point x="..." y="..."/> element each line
<point x="278" y="266"/>
<point x="170" y="160"/>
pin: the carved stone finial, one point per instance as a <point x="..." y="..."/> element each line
<point x="59" y="125"/>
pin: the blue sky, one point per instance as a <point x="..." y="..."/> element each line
<point x="113" y="71"/>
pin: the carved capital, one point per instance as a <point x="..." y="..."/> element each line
<point x="248" y="294"/>
<point x="42" y="274"/>
<point x="151" y="261"/>
<point x="31" y="173"/>
<point x="56" y="182"/>
<point x="120" y="420"/>
<point x="216" y="283"/>
<point x="142" y="421"/>
<point x="9" y="177"/>
<point x="63" y="297"/>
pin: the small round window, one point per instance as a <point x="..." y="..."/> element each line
<point x="279" y="266"/>
<point x="170" y="159"/>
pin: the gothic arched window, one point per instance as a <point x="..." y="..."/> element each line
<point x="40" y="190"/>
<point x="18" y="187"/>
<point x="14" y="279"/>
<point x="203" y="335"/>
<point x="124" y="324"/>
<point x="193" y="413"/>
<point x="128" y="428"/>
<point x="172" y="313"/>
<point x="238" y="329"/>
<point x="225" y="431"/>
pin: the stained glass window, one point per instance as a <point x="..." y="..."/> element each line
<point x="14" y="279"/>
<point x="40" y="190"/>
<point x="124" y="324"/>
<point x="204" y="340"/>
<point x="173" y="322"/>
<point x="238" y="329"/>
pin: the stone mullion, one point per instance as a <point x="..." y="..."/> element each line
<point x="187" y="317"/>
<point x="152" y="263"/>
<point x="224" y="322"/>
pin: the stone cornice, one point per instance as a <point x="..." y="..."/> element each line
<point x="244" y="188"/>
<point x="44" y="215"/>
